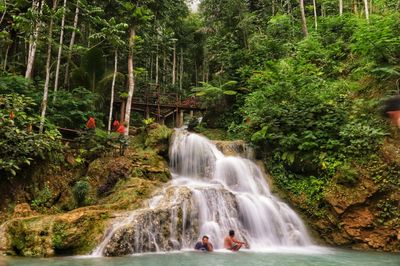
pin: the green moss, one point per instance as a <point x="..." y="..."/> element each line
<point x="213" y="133"/>
<point x="78" y="235"/>
<point x="158" y="136"/>
<point x="28" y="240"/>
<point x="59" y="235"/>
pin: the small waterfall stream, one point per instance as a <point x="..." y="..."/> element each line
<point x="210" y="194"/>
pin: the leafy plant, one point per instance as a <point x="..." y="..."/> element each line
<point x="80" y="192"/>
<point x="42" y="198"/>
<point x="20" y="142"/>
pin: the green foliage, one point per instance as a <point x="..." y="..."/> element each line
<point x="148" y="121"/>
<point x="211" y="91"/>
<point x="20" y="142"/>
<point x="10" y="84"/>
<point x="73" y="109"/>
<point x="96" y="143"/>
<point x="59" y="235"/>
<point x="309" y="116"/>
<point x="80" y="192"/>
<point x="42" y="198"/>
<point x="387" y="210"/>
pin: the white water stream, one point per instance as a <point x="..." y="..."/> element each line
<point x="210" y="194"/>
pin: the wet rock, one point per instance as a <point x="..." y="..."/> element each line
<point x="235" y="148"/>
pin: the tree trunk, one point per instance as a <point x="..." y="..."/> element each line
<point x="165" y="68"/>
<point x="131" y="79"/>
<point x="6" y="57"/>
<point x="340" y="7"/>
<point x="273" y="7"/>
<point x="174" y="65"/>
<point x="289" y="7"/>
<point x="315" y="15"/>
<point x="71" y="44"/>
<point x="196" y="74"/>
<point x="204" y="65"/>
<point x="355" y="7"/>
<point x="4" y="13"/>
<point x="47" y="81"/>
<point x="150" y="77"/>
<point x="112" y="90"/>
<point x="157" y="66"/>
<point x="366" y="10"/>
<point x="181" y="72"/>
<point x="303" y="18"/>
<point x="59" y="52"/>
<point x="34" y="37"/>
<point x="370" y="7"/>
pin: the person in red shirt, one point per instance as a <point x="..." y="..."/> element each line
<point x="121" y="129"/>
<point x="115" y="125"/>
<point x="123" y="141"/>
<point x="91" y="123"/>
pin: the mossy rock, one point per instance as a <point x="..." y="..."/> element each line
<point x="158" y="137"/>
<point x="129" y="194"/>
<point x="72" y="233"/>
<point x="30" y="237"/>
<point x="78" y="232"/>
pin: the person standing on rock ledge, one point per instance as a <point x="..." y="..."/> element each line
<point x="204" y="245"/>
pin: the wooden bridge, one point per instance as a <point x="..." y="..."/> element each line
<point x="152" y="102"/>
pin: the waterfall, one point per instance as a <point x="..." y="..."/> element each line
<point x="210" y="193"/>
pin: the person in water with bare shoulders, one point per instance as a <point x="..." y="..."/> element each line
<point x="204" y="245"/>
<point x="231" y="243"/>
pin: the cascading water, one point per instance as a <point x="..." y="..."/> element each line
<point x="210" y="194"/>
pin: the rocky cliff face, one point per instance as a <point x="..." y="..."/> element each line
<point x="118" y="184"/>
<point x="364" y="215"/>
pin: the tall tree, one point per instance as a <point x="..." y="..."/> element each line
<point x="174" y="61"/>
<point x="48" y="61"/>
<point x="315" y="15"/>
<point x="61" y="42"/>
<point x="340" y="7"/>
<point x="131" y="78"/>
<point x="112" y="32"/>
<point x="71" y="43"/>
<point x="37" y="10"/>
<point x="3" y="7"/>
<point x="110" y="115"/>
<point x="303" y="18"/>
<point x="366" y="10"/>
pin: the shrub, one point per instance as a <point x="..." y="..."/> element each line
<point x="80" y="192"/>
<point x="20" y="142"/>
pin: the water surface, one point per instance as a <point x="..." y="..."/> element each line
<point x="189" y="258"/>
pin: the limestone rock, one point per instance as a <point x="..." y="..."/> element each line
<point x="342" y="197"/>
<point x="42" y="236"/>
<point x="23" y="210"/>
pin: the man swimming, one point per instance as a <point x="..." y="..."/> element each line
<point x="232" y="243"/>
<point x="204" y="245"/>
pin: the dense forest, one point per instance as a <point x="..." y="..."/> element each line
<point x="302" y="81"/>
